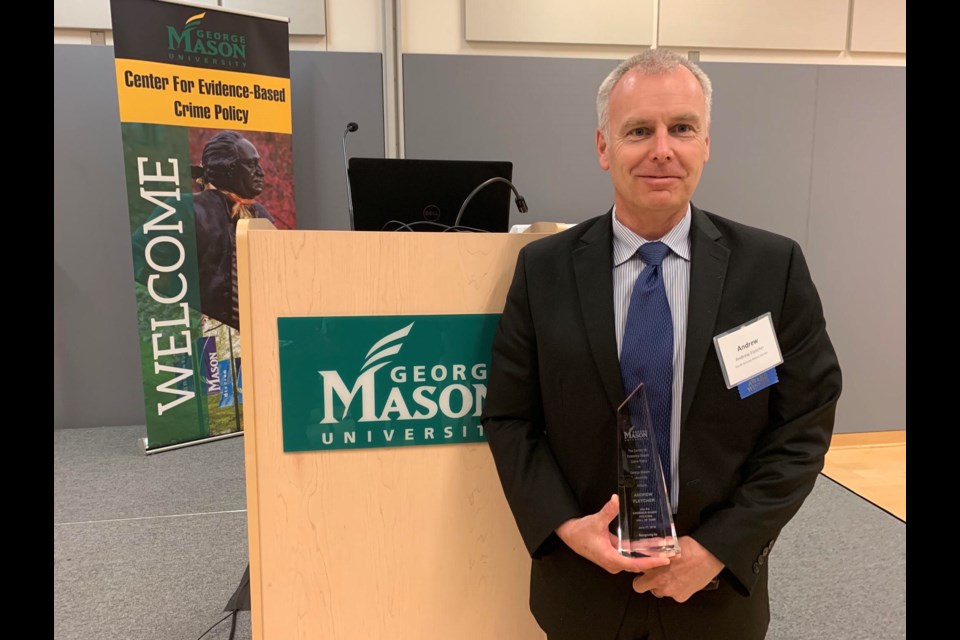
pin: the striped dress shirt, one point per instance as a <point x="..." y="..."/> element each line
<point x="627" y="266"/>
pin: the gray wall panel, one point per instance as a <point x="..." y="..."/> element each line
<point x="814" y="153"/>
<point x="761" y="143"/>
<point x="94" y="311"/>
<point x="538" y="113"/>
<point x="97" y="378"/>
<point x="857" y="246"/>
<point x="329" y="90"/>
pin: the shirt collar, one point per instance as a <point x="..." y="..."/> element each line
<point x="626" y="242"/>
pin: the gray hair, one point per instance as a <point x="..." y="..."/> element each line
<point x="650" y="62"/>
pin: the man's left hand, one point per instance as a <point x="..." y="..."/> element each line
<point x="686" y="574"/>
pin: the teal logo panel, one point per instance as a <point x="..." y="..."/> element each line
<point x="383" y="381"/>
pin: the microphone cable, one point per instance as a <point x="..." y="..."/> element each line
<point x="233" y="625"/>
<point x="521" y="202"/>
<point x="412" y="226"/>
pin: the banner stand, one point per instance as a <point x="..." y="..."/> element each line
<point x="204" y="104"/>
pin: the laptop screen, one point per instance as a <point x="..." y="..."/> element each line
<point x="391" y="194"/>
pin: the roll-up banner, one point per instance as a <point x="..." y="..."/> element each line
<point x="204" y="99"/>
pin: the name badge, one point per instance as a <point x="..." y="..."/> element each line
<point x="748" y="355"/>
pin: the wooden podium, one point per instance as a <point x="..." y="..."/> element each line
<point x="403" y="542"/>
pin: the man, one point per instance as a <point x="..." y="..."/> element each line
<point x="231" y="177"/>
<point x="738" y="469"/>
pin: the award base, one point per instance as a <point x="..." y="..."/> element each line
<point x="650" y="547"/>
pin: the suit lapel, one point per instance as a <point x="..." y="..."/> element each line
<point x="593" y="266"/>
<point x="708" y="268"/>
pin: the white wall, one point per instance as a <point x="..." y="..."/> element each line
<point x="862" y="32"/>
<point x="320" y="25"/>
<point x="878" y="27"/>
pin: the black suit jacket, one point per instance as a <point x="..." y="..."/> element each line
<point x="745" y="466"/>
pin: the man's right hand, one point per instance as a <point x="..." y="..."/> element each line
<point x="590" y="537"/>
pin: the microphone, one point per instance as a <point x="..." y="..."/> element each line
<point x="351" y="127"/>
<point x="521" y="203"/>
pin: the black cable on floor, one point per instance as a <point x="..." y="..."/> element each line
<point x="233" y="613"/>
<point x="233" y="624"/>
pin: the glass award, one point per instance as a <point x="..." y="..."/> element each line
<point x="645" y="526"/>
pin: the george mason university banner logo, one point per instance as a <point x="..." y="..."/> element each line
<point x="384" y="381"/>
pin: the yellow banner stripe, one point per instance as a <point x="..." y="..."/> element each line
<point x="159" y="93"/>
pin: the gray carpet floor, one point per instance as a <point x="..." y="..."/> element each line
<point x="152" y="547"/>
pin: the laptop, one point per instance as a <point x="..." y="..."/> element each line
<point x="391" y="194"/>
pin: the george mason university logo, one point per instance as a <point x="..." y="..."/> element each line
<point x="385" y="381"/>
<point x="446" y="391"/>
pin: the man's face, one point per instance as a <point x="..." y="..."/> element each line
<point x="247" y="175"/>
<point x="656" y="144"/>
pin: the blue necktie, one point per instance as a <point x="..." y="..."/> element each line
<point x="646" y="354"/>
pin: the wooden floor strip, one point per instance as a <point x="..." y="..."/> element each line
<point x="869" y="438"/>
<point x="872" y="465"/>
